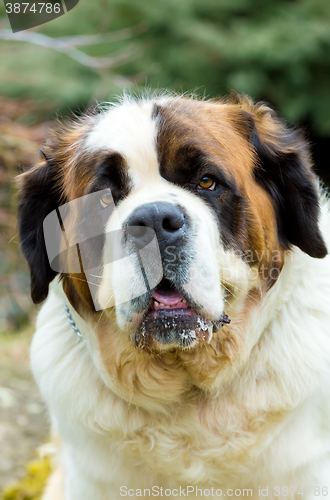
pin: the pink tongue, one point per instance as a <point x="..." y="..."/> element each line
<point x="168" y="297"/>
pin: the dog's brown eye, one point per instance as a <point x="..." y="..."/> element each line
<point x="106" y="199"/>
<point x="206" y="183"/>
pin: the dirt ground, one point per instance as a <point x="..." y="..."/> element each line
<point x="23" y="420"/>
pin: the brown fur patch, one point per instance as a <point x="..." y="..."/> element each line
<point x="219" y="131"/>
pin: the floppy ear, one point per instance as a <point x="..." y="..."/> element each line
<point x="283" y="168"/>
<point x="39" y="194"/>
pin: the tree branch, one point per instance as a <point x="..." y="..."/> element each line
<point x="67" y="45"/>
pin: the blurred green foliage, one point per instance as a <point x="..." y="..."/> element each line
<point x="18" y="150"/>
<point x="275" y="50"/>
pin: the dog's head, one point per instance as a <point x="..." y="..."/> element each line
<point x="222" y="187"/>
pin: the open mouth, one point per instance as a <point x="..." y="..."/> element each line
<point x="172" y="322"/>
<point x="169" y="302"/>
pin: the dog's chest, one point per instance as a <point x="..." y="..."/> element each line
<point x="203" y="445"/>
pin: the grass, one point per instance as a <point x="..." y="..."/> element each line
<point x="32" y="485"/>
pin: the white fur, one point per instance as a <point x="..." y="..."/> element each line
<point x="109" y="443"/>
<point x="264" y="419"/>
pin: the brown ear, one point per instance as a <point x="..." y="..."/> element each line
<point x="283" y="168"/>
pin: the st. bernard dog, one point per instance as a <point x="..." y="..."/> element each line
<point x="215" y="380"/>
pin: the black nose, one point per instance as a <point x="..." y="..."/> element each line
<point x="167" y="220"/>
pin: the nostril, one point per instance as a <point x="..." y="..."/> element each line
<point x="138" y="230"/>
<point x="167" y="224"/>
<point x="172" y="223"/>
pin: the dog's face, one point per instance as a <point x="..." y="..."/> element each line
<point x="223" y="187"/>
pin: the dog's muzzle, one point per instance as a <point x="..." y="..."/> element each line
<point x="171" y="317"/>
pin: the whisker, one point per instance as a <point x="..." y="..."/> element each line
<point x="98" y="321"/>
<point x="86" y="281"/>
<point x="238" y="288"/>
<point x="229" y="291"/>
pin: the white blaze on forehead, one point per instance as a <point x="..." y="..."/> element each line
<point x="129" y="130"/>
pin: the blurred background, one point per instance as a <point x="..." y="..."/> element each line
<point x="277" y="51"/>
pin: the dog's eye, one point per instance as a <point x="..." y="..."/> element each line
<point x="106" y="199"/>
<point x="206" y="183"/>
